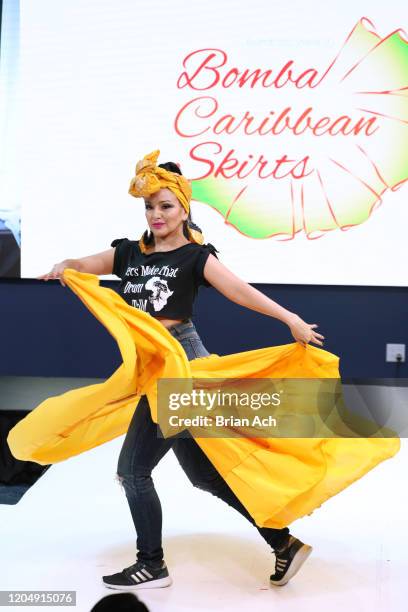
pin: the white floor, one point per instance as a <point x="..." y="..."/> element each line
<point x="73" y="526"/>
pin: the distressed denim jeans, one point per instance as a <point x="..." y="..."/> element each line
<point x="141" y="452"/>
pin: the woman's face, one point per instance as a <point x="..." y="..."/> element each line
<point x="164" y="213"/>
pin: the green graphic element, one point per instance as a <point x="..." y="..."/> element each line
<point x="343" y="190"/>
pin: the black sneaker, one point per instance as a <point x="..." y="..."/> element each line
<point x="139" y="576"/>
<point x="289" y="560"/>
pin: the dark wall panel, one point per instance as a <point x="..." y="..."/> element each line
<point x="47" y="331"/>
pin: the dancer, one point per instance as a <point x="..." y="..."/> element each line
<point x="161" y="274"/>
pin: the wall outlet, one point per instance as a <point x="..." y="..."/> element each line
<point x="392" y="351"/>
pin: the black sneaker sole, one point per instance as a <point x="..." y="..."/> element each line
<point x="160" y="583"/>
<point x="297" y="562"/>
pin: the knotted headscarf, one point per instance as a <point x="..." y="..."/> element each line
<point x="149" y="178"/>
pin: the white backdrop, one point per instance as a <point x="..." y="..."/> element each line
<point x="10" y="170"/>
<point x="99" y="83"/>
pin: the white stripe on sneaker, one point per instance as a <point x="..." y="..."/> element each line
<point x="135" y="578"/>
<point x="297" y="562"/>
<point x="141" y="576"/>
<point x="146" y="573"/>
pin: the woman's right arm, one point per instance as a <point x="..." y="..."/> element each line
<point x="100" y="263"/>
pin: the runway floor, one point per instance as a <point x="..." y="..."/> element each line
<point x="74" y="525"/>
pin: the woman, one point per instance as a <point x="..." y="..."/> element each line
<point x="161" y="274"/>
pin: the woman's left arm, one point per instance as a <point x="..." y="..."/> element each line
<point x="240" y="292"/>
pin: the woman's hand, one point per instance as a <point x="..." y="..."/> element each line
<point x="57" y="272"/>
<point x="304" y="332"/>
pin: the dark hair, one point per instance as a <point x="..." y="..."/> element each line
<point x="148" y="237"/>
<point x="171" y="167"/>
<point x="122" y="602"/>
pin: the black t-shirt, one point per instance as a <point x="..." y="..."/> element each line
<point x="162" y="284"/>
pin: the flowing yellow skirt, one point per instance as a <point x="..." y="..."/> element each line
<point x="277" y="479"/>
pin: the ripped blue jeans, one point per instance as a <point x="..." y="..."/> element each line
<point x="142" y="451"/>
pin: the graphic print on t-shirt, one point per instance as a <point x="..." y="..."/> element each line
<point x="160" y="291"/>
<point x="164" y="283"/>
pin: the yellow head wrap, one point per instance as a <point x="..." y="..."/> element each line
<point x="149" y="178"/>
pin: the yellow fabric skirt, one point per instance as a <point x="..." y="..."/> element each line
<point x="278" y="480"/>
